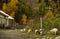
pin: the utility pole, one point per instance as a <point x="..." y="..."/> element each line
<point x="41" y="25"/>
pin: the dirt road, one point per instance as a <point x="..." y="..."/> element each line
<point x="13" y="34"/>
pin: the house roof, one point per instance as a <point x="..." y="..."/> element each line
<point x="9" y="17"/>
<point x="3" y="13"/>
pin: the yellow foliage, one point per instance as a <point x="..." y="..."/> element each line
<point x="49" y="0"/>
<point x="27" y="4"/>
<point x="12" y="14"/>
<point x="48" y="14"/>
<point x="10" y="7"/>
<point x="4" y="7"/>
<point x="24" y="19"/>
<point x="13" y="3"/>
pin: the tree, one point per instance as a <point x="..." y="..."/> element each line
<point x="43" y="8"/>
<point x="1" y="4"/>
<point x="4" y="8"/>
<point x="7" y="6"/>
<point x="6" y="1"/>
<point x="19" y="12"/>
<point x="42" y="11"/>
<point x="28" y="11"/>
<point x="24" y="19"/>
<point x="23" y="9"/>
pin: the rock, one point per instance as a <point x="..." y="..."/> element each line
<point x="37" y="38"/>
<point x="58" y="37"/>
<point x="43" y="38"/>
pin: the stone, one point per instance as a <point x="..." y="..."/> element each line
<point x="58" y="37"/>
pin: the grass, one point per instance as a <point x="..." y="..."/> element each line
<point x="47" y="36"/>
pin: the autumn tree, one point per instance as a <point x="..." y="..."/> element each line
<point x="19" y="12"/>
<point x="23" y="10"/>
<point x="10" y="7"/>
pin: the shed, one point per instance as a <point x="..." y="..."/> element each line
<point x="6" y="19"/>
